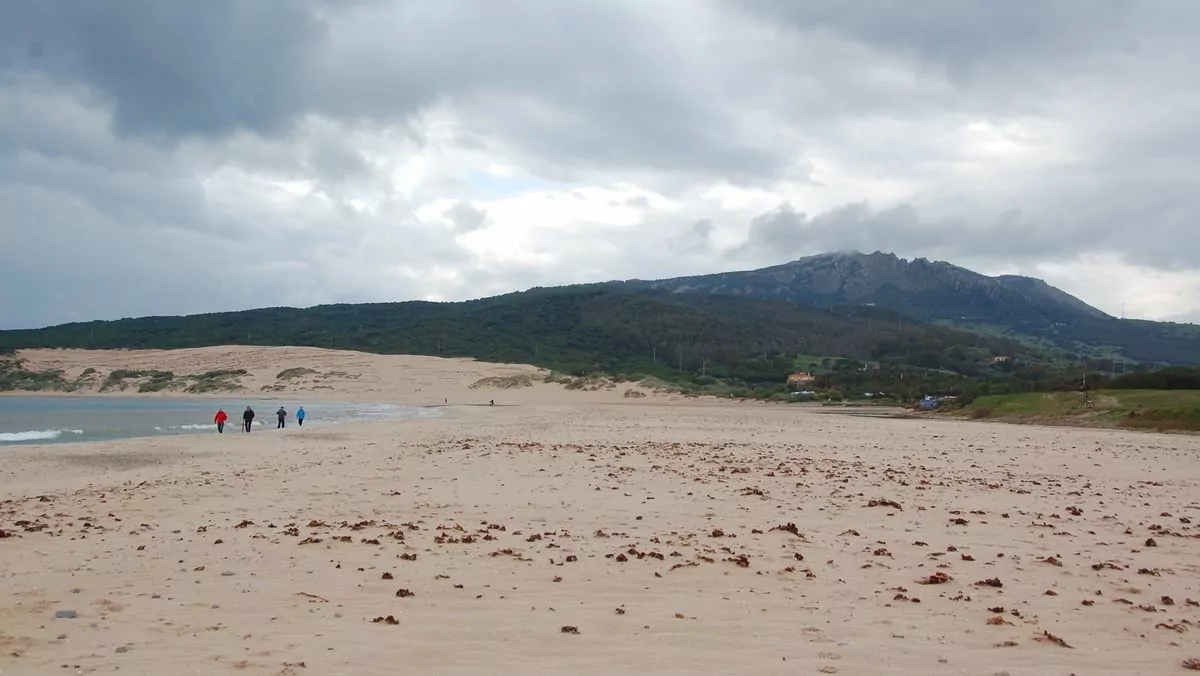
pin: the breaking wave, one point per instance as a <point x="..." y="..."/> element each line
<point x="34" y="435"/>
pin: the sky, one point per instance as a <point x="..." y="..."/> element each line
<point x="184" y="157"/>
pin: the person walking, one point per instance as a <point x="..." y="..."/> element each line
<point x="220" y="419"/>
<point x="300" y="416"/>
<point x="247" y="419"/>
<point x="282" y="415"/>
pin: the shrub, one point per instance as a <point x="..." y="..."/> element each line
<point x="158" y="381"/>
<point x="14" y="377"/>
<point x="289" y="374"/>
<point x="213" y="375"/>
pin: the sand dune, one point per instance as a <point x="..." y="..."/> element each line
<point x="589" y="535"/>
<point x="318" y="373"/>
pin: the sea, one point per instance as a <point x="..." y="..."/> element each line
<point x="54" y="420"/>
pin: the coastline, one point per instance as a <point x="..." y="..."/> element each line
<point x="345" y="376"/>
<point x="56" y="420"/>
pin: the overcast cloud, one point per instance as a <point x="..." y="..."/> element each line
<point x="180" y="157"/>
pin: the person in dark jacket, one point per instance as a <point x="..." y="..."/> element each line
<point x="282" y="415"/>
<point x="247" y="419"/>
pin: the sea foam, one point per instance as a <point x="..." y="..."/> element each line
<point x="34" y="435"/>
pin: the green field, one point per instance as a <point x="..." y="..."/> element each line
<point x="1177" y="410"/>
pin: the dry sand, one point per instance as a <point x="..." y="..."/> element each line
<point x="332" y="374"/>
<point x="676" y="537"/>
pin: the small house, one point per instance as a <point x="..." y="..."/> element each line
<point x="801" y="378"/>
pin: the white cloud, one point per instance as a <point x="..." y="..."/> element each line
<point x="1136" y="291"/>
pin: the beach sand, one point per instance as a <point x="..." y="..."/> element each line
<point x="568" y="532"/>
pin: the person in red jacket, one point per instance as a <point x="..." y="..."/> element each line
<point x="220" y="419"/>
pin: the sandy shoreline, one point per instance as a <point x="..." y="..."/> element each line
<point x="658" y="529"/>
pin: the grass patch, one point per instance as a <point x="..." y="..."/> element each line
<point x="503" y="382"/>
<point x="216" y="375"/>
<point x="1166" y="410"/>
<point x="157" y="381"/>
<point x="216" y="381"/>
<point x="293" y="373"/>
<point x="14" y="377"/>
<point x="587" y="383"/>
<point x="1182" y="418"/>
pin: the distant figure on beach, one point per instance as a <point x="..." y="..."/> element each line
<point x="220" y="419"/>
<point x="300" y="416"/>
<point x="247" y="419"/>
<point x="282" y="415"/>
<point x="492" y="402"/>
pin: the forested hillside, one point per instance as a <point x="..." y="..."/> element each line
<point x="570" y="330"/>
<point x="1010" y="306"/>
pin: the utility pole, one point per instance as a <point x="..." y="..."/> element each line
<point x="654" y="354"/>
<point x="703" y="368"/>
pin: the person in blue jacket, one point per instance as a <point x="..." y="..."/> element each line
<point x="300" y="416"/>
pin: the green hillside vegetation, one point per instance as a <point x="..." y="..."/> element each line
<point x="1170" y="378"/>
<point x="694" y="340"/>
<point x="1008" y="306"/>
<point x="1123" y="338"/>
<point x="1165" y="410"/>
<point x="595" y="337"/>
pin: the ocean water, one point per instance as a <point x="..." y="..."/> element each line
<point x="52" y="420"/>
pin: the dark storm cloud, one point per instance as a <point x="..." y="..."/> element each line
<point x="963" y="35"/>
<point x="1150" y="232"/>
<point x="96" y="227"/>
<point x="173" y="68"/>
<point x="580" y="86"/>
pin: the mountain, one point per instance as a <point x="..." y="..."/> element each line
<point x="1013" y="306"/>
<point x="930" y="290"/>
<point x="1037" y="289"/>
<point x="868" y="307"/>
<point x="571" y="329"/>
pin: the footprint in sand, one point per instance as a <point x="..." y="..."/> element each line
<point x="829" y="656"/>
